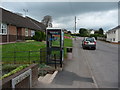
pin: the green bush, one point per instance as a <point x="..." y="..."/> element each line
<point x="39" y="36"/>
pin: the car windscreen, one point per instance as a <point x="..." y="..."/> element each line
<point x="90" y="39"/>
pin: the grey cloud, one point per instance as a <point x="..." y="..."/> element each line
<point x="61" y="12"/>
<point x="60" y="9"/>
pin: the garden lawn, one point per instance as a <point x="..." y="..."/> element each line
<point x="27" y="52"/>
<point x="67" y="42"/>
<point x="21" y="55"/>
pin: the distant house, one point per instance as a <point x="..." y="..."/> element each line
<point x="113" y="35"/>
<point x="91" y="31"/>
<point x="14" y="27"/>
<point x="104" y="32"/>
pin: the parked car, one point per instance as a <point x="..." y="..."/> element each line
<point x="89" y="42"/>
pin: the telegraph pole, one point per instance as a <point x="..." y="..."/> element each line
<point x="75" y="27"/>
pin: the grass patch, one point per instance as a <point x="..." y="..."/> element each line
<point x="67" y="42"/>
<point x="23" y="46"/>
<point x="34" y="47"/>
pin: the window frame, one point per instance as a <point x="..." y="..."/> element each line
<point x="26" y="32"/>
<point x="113" y="39"/>
<point x="2" y="28"/>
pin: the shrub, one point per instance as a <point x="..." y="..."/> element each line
<point x="39" y="36"/>
<point x="9" y="67"/>
<point x="14" y="71"/>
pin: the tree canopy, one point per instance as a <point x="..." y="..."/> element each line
<point x="101" y="31"/>
<point x="83" y="32"/>
<point x="47" y="21"/>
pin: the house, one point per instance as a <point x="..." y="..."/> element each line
<point x="14" y="27"/>
<point x="104" y="32"/>
<point x="113" y="35"/>
<point x="91" y="31"/>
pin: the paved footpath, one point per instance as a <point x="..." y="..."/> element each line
<point x="75" y="74"/>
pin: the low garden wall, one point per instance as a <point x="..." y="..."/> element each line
<point x="25" y="78"/>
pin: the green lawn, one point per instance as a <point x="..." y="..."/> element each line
<point x="22" y="56"/>
<point x="67" y="42"/>
<point x="23" y="46"/>
<point x="33" y="48"/>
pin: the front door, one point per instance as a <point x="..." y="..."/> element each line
<point x="19" y="33"/>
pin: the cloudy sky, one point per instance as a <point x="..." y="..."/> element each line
<point x="91" y="15"/>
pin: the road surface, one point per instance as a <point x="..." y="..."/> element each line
<point x="103" y="64"/>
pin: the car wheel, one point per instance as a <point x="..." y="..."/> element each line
<point x="83" y="47"/>
<point x="94" y="48"/>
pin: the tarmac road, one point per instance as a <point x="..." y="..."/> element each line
<point x="103" y="64"/>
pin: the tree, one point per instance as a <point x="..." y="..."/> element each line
<point x="101" y="31"/>
<point x="69" y="32"/>
<point x="83" y="32"/>
<point x="47" y="21"/>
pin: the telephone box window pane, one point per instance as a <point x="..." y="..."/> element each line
<point x="54" y="38"/>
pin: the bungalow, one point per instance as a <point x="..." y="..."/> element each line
<point x="113" y="35"/>
<point x="14" y="27"/>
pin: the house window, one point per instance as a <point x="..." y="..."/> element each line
<point x="32" y="33"/>
<point x="113" y="39"/>
<point x="3" y="29"/>
<point x="26" y="32"/>
<point x="114" y="32"/>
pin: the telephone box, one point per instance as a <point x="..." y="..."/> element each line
<point x="55" y="45"/>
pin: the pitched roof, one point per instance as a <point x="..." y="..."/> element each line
<point x="37" y="23"/>
<point x="114" y="29"/>
<point x="118" y="27"/>
<point x="19" y="21"/>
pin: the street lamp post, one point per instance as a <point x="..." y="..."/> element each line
<point x="75" y="27"/>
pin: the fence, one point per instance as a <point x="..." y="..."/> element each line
<point x="25" y="57"/>
<point x="101" y="38"/>
<point x="28" y="57"/>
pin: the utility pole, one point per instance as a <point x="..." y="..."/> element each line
<point x="75" y="27"/>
